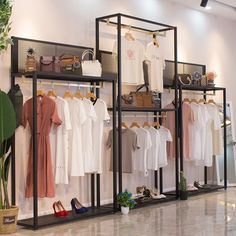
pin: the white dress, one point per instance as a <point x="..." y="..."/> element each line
<point x="78" y="118"/>
<point x="87" y="137"/>
<point x="59" y="142"/>
<point x="97" y="132"/>
<point x="152" y="153"/>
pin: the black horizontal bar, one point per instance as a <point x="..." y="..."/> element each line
<point x="107" y="16"/>
<point x="186" y="63"/>
<point x="126" y="109"/>
<point x="106" y="77"/>
<point x="197" y="88"/>
<point x="51" y="43"/>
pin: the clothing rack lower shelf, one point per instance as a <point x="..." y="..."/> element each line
<point x="212" y="188"/>
<point x="48" y="220"/>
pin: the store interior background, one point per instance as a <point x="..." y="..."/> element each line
<point x="203" y="38"/>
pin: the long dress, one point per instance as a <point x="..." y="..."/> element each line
<point x="46" y="115"/>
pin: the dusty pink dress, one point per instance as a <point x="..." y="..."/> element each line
<point x="46" y="115"/>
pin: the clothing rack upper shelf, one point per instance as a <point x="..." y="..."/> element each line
<point x="196" y="88"/>
<point x="67" y="77"/>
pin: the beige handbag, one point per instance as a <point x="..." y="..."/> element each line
<point x="91" y="67"/>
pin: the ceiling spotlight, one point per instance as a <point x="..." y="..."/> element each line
<point x="204" y="3"/>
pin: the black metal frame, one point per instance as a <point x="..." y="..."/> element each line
<point x="163" y="27"/>
<point x="46" y="220"/>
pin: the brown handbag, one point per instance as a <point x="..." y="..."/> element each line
<point x="69" y="62"/>
<point x="141" y="99"/>
<point x="49" y="64"/>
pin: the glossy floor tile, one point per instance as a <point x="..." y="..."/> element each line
<point x="206" y="215"/>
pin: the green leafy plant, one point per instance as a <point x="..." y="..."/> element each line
<point x="125" y="199"/>
<point x="7" y="129"/>
<point x="182" y="182"/>
<point x="5" y="24"/>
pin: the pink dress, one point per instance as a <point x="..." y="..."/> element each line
<point x="46" y="115"/>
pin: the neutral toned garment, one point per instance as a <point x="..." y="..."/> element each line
<point x="140" y="155"/>
<point x="46" y="115"/>
<point x="129" y="145"/>
<point x="60" y="142"/>
<point x="97" y="131"/>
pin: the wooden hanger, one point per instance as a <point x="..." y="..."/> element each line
<point x="201" y="100"/>
<point x="52" y="93"/>
<point x="68" y="94"/>
<point x="135" y="124"/>
<point x="40" y="92"/>
<point x="186" y="100"/>
<point x="194" y="100"/>
<point x="211" y="101"/>
<point x="154" y="40"/>
<point x="128" y="35"/>
<point x="78" y="94"/>
<point x="91" y="95"/>
<point x="156" y="124"/>
<point x="123" y="124"/>
<point x="146" y="124"/>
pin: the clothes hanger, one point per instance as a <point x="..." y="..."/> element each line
<point x="201" y="100"/>
<point x="211" y="101"/>
<point x="194" y="100"/>
<point x="135" y="124"/>
<point x="187" y="100"/>
<point x="128" y="35"/>
<point x="91" y="95"/>
<point x="146" y="124"/>
<point x="78" y="94"/>
<point x="52" y="92"/>
<point x="154" y="40"/>
<point x="156" y="124"/>
<point x="40" y="91"/>
<point x="68" y="93"/>
<point x="123" y="124"/>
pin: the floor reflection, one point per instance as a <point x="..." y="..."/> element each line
<point x="206" y="215"/>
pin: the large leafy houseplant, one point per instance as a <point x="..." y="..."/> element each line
<point x="7" y="129"/>
<point x="125" y="199"/>
<point x="5" y="24"/>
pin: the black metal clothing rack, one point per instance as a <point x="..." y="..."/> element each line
<point x="47" y="220"/>
<point x="117" y="21"/>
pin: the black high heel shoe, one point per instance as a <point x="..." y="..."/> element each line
<point x="77" y="206"/>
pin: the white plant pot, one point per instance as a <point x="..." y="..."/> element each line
<point x="125" y="210"/>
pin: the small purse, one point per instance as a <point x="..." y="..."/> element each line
<point x="91" y="67"/>
<point x="184" y="79"/>
<point x="69" y="62"/>
<point x="49" y="64"/>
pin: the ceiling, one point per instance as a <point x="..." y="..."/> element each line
<point x="224" y="8"/>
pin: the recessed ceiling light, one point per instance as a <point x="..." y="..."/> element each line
<point x="208" y="7"/>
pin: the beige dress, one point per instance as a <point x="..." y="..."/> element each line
<point x="46" y="115"/>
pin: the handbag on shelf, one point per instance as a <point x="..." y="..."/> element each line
<point x="141" y="99"/>
<point x="184" y="79"/>
<point x="91" y="67"/>
<point x="69" y="62"/>
<point x="49" y="64"/>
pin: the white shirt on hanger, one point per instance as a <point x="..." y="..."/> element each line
<point x="154" y="55"/>
<point x="78" y="118"/>
<point x="132" y="57"/>
<point x="59" y="142"/>
<point x="140" y="156"/>
<point x="97" y="129"/>
<point x="87" y="137"/>
<point x="165" y="136"/>
<point x="153" y="151"/>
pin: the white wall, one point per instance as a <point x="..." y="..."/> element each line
<point x="202" y="38"/>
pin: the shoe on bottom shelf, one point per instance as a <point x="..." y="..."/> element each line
<point x="59" y="210"/>
<point x="77" y="206"/>
<point x="192" y="188"/>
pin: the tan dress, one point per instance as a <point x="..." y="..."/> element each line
<point x="46" y="115"/>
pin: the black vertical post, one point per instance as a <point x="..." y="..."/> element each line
<point x="176" y="113"/>
<point x="155" y="172"/>
<point x="205" y="168"/>
<point x="161" y="169"/>
<point x="181" y="128"/>
<point x="225" y="139"/>
<point x="35" y="153"/>
<point x="13" y="162"/>
<point x="98" y="95"/>
<point x="119" y="100"/>
<point x="114" y="146"/>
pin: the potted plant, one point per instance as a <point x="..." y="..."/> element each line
<point x="5" y="24"/>
<point x="8" y="213"/>
<point x="126" y="202"/>
<point x="183" y="192"/>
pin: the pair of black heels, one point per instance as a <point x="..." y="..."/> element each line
<point x="78" y="207"/>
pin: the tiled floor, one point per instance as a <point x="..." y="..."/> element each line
<point x="206" y="215"/>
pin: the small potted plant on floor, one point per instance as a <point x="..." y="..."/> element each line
<point x="183" y="192"/>
<point x="8" y="213"/>
<point x="126" y="202"/>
